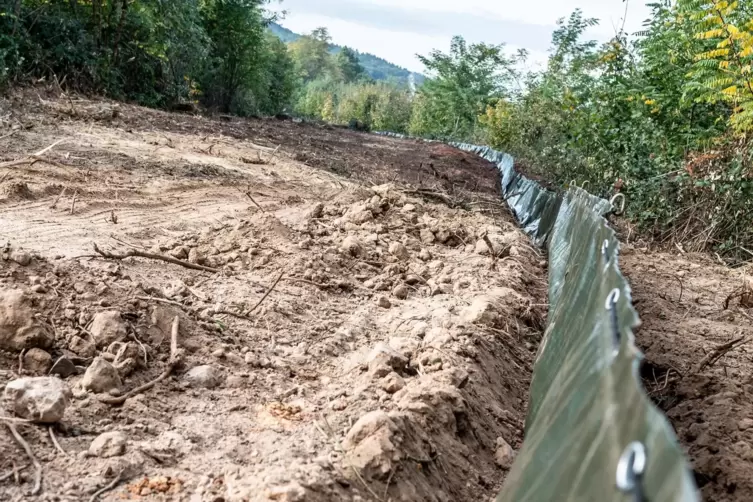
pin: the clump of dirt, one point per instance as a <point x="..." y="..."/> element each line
<point x="699" y="362"/>
<point x="335" y="340"/>
<point x="15" y="190"/>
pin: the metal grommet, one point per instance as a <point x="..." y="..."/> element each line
<point x="612" y="299"/>
<point x="605" y="250"/>
<point x="630" y="470"/>
<point x="585" y="184"/>
<point x="614" y="199"/>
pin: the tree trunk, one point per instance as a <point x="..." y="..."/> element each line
<point x="116" y="45"/>
<point x="97" y="19"/>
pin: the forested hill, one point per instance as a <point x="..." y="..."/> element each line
<point x="376" y="67"/>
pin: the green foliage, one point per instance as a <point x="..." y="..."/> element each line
<point x="652" y="118"/>
<point x="462" y="84"/>
<point x="155" y="52"/>
<point x="311" y="55"/>
<point x="347" y="65"/>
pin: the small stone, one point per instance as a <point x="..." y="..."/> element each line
<point x="21" y="257"/>
<point x="63" y="367"/>
<point x="427" y="236"/>
<point x="291" y="492"/>
<point x="19" y="328"/>
<point x="504" y="455"/>
<point x="37" y="361"/>
<point x="196" y="256"/>
<point x="399" y="251"/>
<point x="236" y="382"/>
<point x="383" y="354"/>
<point x="400" y="291"/>
<point x="39" y="289"/>
<point x="408" y="208"/>
<point x="392" y="383"/>
<point x="40" y="399"/>
<point x="81" y="347"/>
<point x="108" y="327"/>
<point x="745" y="424"/>
<point x="424" y="255"/>
<point x="203" y="376"/>
<point x="219" y="353"/>
<point x="79" y="287"/>
<point x="101" y="376"/>
<point x="109" y="444"/>
<point x="180" y="252"/>
<point x="384" y="302"/>
<point x="316" y="210"/>
<point x="351" y="246"/>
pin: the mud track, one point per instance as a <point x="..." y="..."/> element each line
<point x="391" y="360"/>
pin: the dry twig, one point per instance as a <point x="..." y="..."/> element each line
<point x="37" y="466"/>
<point x="175" y="359"/>
<point x="716" y="354"/>
<point x="143" y="254"/>
<point x="73" y="204"/>
<point x="57" y="199"/>
<point x="13" y="473"/>
<point x="55" y="442"/>
<point x="112" y="484"/>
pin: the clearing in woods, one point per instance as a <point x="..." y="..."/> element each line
<point x="360" y="321"/>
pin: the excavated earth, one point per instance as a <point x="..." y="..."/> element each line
<point x="363" y="327"/>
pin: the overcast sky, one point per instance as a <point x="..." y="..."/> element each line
<point x="397" y="30"/>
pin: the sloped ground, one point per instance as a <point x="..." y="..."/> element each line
<point x="355" y="337"/>
<point x="681" y="299"/>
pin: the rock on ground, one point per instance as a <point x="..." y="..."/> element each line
<point x="37" y="361"/>
<point x="203" y="376"/>
<point x="19" y="329"/>
<point x="370" y="445"/>
<point x="108" y="327"/>
<point x="504" y="455"/>
<point x="109" y="444"/>
<point x="39" y="399"/>
<point x="101" y="376"/>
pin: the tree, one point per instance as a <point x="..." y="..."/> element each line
<point x="311" y="55"/>
<point x="236" y="29"/>
<point x="348" y="67"/>
<point x="461" y="86"/>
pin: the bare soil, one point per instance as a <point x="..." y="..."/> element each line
<point x="681" y="300"/>
<point x="390" y="362"/>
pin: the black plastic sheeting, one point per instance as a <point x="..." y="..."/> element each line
<point x="590" y="426"/>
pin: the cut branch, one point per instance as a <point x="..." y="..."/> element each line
<point x="152" y="256"/>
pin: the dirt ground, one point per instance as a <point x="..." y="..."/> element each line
<point x="350" y="336"/>
<point x="681" y="300"/>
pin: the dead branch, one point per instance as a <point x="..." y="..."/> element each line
<point x="160" y="300"/>
<point x="55" y="442"/>
<point x="246" y="316"/>
<point x="13" y="472"/>
<point x="271" y="157"/>
<point x="279" y="277"/>
<point x="9" y="134"/>
<point x="37" y="466"/>
<point x="152" y="256"/>
<point x="112" y="484"/>
<point x="248" y="194"/>
<point x="175" y="359"/>
<point x="716" y="354"/>
<point x="57" y="199"/>
<point x="73" y="204"/>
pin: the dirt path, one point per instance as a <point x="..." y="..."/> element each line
<point x="681" y="302"/>
<point x="390" y="362"/>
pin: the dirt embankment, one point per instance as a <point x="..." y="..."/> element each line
<point x="351" y="336"/>
<point x="706" y="392"/>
